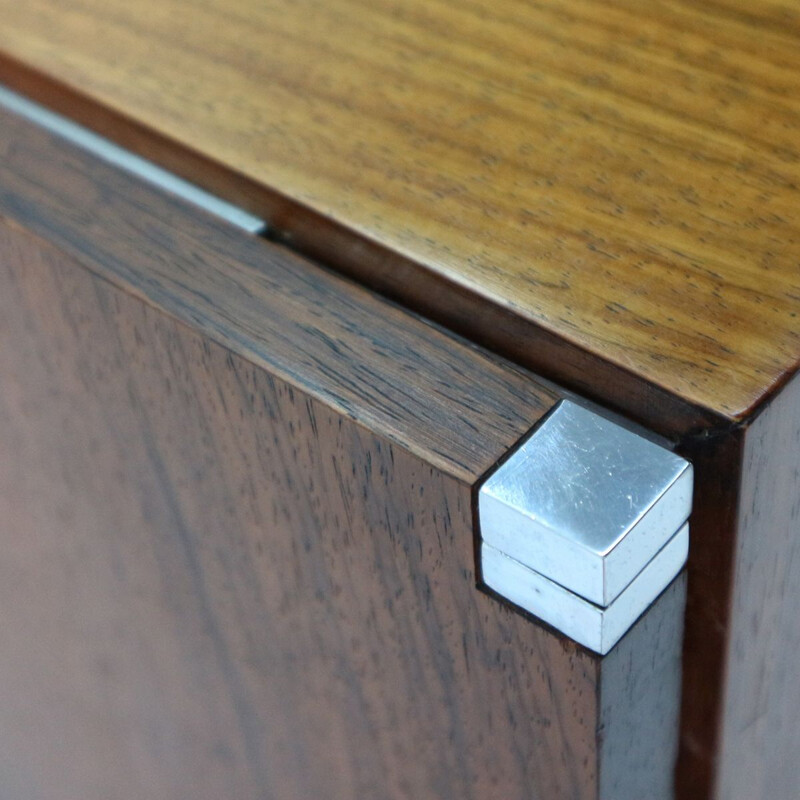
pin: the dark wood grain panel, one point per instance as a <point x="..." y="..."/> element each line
<point x="228" y="570"/>
<point x="761" y="722"/>
<point x="216" y="585"/>
<point x="615" y="187"/>
<point x="739" y="727"/>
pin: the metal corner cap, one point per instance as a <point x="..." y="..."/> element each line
<point x="592" y="626"/>
<point x="585" y="502"/>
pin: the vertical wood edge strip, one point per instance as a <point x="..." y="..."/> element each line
<point x="761" y="703"/>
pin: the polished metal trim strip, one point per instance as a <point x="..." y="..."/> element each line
<point x="111" y="153"/>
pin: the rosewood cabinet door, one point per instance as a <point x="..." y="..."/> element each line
<point x="238" y="501"/>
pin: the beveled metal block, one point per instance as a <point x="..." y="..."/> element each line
<point x="593" y="626"/>
<point x="585" y="502"/>
<point x="585" y="524"/>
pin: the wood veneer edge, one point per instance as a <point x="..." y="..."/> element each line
<point x="390" y="273"/>
<point x="514" y="398"/>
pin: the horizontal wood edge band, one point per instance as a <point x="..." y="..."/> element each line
<point x="445" y="400"/>
<point x="462" y="309"/>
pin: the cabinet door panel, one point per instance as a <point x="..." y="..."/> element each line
<point x="237" y="529"/>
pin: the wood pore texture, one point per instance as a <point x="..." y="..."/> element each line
<point x="761" y="723"/>
<point x="607" y="192"/>
<point x="236" y="524"/>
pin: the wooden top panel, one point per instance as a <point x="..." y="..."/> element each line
<point x="624" y="180"/>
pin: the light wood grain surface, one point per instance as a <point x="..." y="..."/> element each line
<point x="621" y="177"/>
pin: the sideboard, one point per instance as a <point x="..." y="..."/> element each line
<point x="241" y="466"/>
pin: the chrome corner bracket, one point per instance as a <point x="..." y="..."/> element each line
<point x="585" y="524"/>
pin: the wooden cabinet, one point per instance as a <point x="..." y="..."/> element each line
<point x="239" y="473"/>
